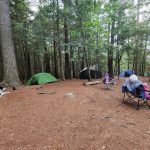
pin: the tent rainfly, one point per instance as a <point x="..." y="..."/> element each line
<point x="126" y="73"/>
<point x="41" y="78"/>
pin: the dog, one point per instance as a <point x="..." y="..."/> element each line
<point x="2" y="89"/>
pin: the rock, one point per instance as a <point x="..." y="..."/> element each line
<point x="69" y="95"/>
<point x="103" y="147"/>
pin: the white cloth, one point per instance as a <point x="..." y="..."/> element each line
<point x="132" y="85"/>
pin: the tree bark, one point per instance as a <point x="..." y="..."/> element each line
<point x="31" y="62"/>
<point x="9" y="59"/>
<point x="58" y="45"/>
<point x="67" y="57"/>
<point x="1" y="65"/>
<point x="55" y="58"/>
<point x="144" y="57"/>
<point x="87" y="63"/>
<point x="55" y="39"/>
<point x="110" y="50"/>
<point x="136" y="51"/>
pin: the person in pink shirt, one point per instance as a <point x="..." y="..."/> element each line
<point x="147" y="94"/>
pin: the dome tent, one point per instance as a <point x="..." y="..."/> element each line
<point x="126" y="73"/>
<point x="41" y="78"/>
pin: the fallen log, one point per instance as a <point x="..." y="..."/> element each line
<point x="91" y="83"/>
<point x="46" y="92"/>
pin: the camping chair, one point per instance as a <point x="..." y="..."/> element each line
<point x="109" y="83"/>
<point x="136" y="96"/>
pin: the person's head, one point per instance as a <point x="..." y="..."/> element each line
<point x="133" y="78"/>
<point x="145" y="85"/>
<point x="106" y="73"/>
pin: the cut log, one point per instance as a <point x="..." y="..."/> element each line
<point x="91" y="83"/>
<point x="46" y="92"/>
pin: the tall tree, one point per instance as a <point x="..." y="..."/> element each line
<point x="9" y="59"/>
<point x="79" y="29"/>
<point x="66" y="41"/>
<point x="136" y="55"/>
<point x="58" y="45"/>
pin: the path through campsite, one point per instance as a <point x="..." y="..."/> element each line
<point x="88" y="118"/>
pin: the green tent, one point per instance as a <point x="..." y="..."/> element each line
<point x="41" y="78"/>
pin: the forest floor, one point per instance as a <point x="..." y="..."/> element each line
<point x="93" y="118"/>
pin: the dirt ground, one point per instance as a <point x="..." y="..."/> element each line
<point x="93" y="118"/>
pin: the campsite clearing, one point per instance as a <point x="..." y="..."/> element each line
<point x="95" y="119"/>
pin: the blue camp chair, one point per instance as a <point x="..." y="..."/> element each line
<point x="137" y="95"/>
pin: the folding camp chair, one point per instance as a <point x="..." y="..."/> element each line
<point x="109" y="83"/>
<point x="136" y="96"/>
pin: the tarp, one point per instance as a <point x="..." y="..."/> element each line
<point x="126" y="73"/>
<point x="91" y="68"/>
<point x="93" y="71"/>
<point x="41" y="78"/>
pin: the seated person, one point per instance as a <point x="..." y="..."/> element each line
<point x="147" y="92"/>
<point x="106" y="78"/>
<point x="131" y="84"/>
<point x="109" y="82"/>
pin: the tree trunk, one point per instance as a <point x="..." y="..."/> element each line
<point x="41" y="57"/>
<point x="71" y="62"/>
<point x="47" y="62"/>
<point x="58" y="45"/>
<point x="67" y="66"/>
<point x="55" y="58"/>
<point x="136" y="61"/>
<point x="67" y="57"/>
<point x="61" y="64"/>
<point x="118" y="56"/>
<point x="96" y="56"/>
<point x="9" y="59"/>
<point x="87" y="63"/>
<point x="78" y="64"/>
<point x="110" y="51"/>
<point x="144" y="57"/>
<point x="55" y="40"/>
<point x="1" y="65"/>
<point x="31" y="62"/>
<point x="73" y="69"/>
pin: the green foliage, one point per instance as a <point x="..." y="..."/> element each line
<point x="88" y="23"/>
